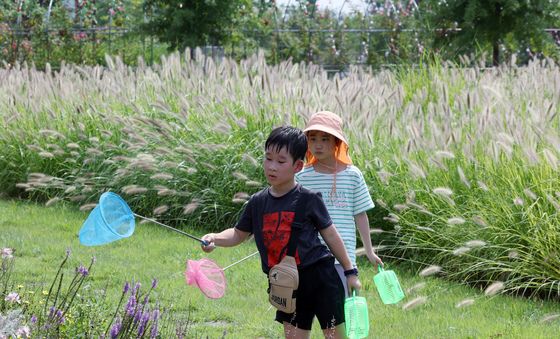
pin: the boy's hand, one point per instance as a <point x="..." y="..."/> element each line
<point x="354" y="283"/>
<point x="209" y="238"/>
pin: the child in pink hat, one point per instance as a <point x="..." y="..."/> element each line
<point x="329" y="170"/>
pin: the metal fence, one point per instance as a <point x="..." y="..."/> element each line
<point x="332" y="48"/>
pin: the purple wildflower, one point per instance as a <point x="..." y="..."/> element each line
<point x="137" y="287"/>
<point x="154" y="283"/>
<point x="33" y="319"/>
<point x="154" y="331"/>
<point x="115" y="329"/>
<point x="126" y="287"/>
<point x="60" y="316"/>
<point x="138" y="315"/>
<point x="131" y="305"/>
<point x="143" y="322"/>
<point x="82" y="270"/>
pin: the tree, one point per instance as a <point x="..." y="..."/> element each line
<point x="192" y="23"/>
<point x="464" y="24"/>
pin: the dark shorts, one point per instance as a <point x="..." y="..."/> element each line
<point x="320" y="293"/>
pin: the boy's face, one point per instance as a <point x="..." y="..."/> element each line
<point x="279" y="166"/>
<point x="322" y="145"/>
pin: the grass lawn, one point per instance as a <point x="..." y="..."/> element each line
<point x="42" y="235"/>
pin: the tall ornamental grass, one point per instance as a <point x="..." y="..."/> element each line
<point x="462" y="162"/>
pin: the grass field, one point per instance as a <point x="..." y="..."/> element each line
<point x="41" y="236"/>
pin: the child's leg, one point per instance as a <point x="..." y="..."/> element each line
<point x="292" y="332"/>
<point x="330" y="301"/>
<point x="338" y="332"/>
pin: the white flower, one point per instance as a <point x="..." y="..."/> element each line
<point x="518" y="201"/>
<point x="23" y="332"/>
<point x="12" y="297"/>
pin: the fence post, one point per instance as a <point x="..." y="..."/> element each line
<point x="110" y="32"/>
<point x="94" y="33"/>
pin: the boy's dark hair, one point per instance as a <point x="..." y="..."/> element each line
<point x="290" y="137"/>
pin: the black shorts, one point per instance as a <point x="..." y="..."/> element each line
<point x="320" y="293"/>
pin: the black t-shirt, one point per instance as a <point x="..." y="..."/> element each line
<point x="270" y="219"/>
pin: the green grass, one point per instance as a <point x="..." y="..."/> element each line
<point x="42" y="235"/>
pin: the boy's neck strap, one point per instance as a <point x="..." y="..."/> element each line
<point x="297" y="224"/>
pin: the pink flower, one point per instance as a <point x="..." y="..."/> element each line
<point x="12" y="297"/>
<point x="111" y="12"/>
<point x="6" y="252"/>
<point x="80" y="36"/>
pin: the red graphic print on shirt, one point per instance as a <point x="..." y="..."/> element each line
<point x="277" y="227"/>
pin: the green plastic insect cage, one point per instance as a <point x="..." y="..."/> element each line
<point x="356" y="317"/>
<point x="388" y="286"/>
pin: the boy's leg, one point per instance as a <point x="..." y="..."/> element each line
<point x="320" y="293"/>
<point x="339" y="332"/>
<point x="292" y="332"/>
<point x="330" y="301"/>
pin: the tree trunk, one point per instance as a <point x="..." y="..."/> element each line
<point x="496" y="41"/>
<point x="495" y="53"/>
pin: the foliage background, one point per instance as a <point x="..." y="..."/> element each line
<point x="388" y="33"/>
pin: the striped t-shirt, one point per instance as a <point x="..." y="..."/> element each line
<point x="351" y="198"/>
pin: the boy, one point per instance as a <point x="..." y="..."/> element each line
<point x="269" y="215"/>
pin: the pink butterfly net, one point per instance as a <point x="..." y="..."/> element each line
<point x="207" y="276"/>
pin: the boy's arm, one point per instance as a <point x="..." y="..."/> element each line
<point x="334" y="241"/>
<point x="362" y="223"/>
<point x="226" y="238"/>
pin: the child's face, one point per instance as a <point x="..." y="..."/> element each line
<point x="322" y="145"/>
<point x="279" y="166"/>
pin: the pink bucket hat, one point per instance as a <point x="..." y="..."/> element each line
<point x="330" y="123"/>
<point x="327" y="122"/>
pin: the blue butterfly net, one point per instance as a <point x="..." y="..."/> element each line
<point x="110" y="220"/>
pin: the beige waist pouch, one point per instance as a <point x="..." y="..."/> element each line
<point x="283" y="282"/>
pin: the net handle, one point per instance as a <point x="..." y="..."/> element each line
<point x="203" y="242"/>
<point x="241" y="260"/>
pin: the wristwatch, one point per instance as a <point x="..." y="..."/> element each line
<point x="352" y="271"/>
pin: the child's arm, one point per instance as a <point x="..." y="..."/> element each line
<point x="334" y="241"/>
<point x="226" y="238"/>
<point x="362" y="223"/>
